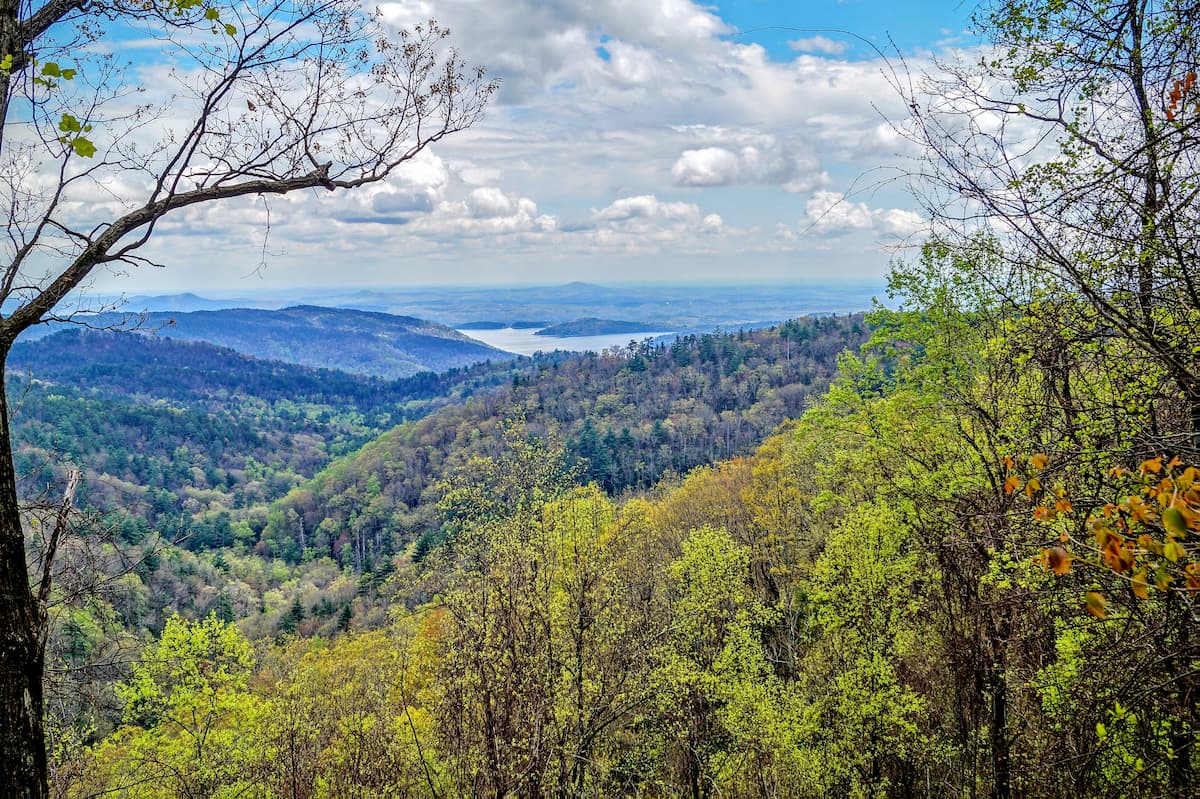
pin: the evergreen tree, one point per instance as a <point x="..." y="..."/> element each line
<point x="289" y="623"/>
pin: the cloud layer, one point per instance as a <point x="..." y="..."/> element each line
<point x="623" y="129"/>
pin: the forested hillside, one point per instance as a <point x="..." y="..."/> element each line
<point x="183" y="446"/>
<point x="866" y="605"/>
<point x="627" y="417"/>
<point x="171" y="432"/>
<point x="362" y="342"/>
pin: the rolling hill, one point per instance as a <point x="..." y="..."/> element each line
<point x="361" y="342"/>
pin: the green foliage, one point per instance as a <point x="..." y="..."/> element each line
<point x="190" y="662"/>
<point x="187" y="710"/>
<point x="701" y="399"/>
<point x="969" y="568"/>
<point x="180" y="435"/>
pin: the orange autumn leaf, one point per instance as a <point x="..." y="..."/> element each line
<point x="1058" y="560"/>
<point x="1119" y="557"/>
<point x="1136" y="508"/>
<point x="1166" y="487"/>
<point x="1095" y="604"/>
<point x="1141" y="589"/>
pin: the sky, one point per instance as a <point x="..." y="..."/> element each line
<point x="630" y="140"/>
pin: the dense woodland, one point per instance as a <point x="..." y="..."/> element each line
<point x="951" y="548"/>
<point x="170" y="432"/>
<point x="348" y="340"/>
<point x="209" y="489"/>
<point x="866" y="605"/>
<point x="626" y="417"/>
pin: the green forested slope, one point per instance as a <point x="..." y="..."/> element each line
<point x="169" y="431"/>
<point x="969" y="569"/>
<point x="362" y="342"/>
<point x="627" y="417"/>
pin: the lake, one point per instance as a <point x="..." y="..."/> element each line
<point x="524" y="342"/>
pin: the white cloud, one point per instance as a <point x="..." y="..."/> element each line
<point x="818" y="44"/>
<point x="720" y="166"/>
<point x="491" y="202"/>
<point x="647" y="206"/>
<point x="407" y="14"/>
<point x="902" y="223"/>
<point x="831" y="213"/>
<point x="710" y="166"/>
<point x="626" y="107"/>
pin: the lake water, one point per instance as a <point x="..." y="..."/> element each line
<point x="524" y="342"/>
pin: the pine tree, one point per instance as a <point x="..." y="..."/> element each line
<point x="289" y="623"/>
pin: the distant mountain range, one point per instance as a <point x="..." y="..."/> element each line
<point x="182" y="303"/>
<point x="658" y="307"/>
<point x="355" y="341"/>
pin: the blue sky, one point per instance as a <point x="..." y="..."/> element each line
<point x="911" y="25"/>
<point x="656" y="140"/>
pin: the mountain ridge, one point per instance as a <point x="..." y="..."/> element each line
<point x="361" y="342"/>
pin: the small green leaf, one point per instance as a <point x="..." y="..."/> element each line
<point x="69" y="124"/>
<point x="6" y="63"/>
<point x="230" y="30"/>
<point x="50" y="69"/>
<point x="1173" y="551"/>
<point x="1174" y="522"/>
<point x="67" y="74"/>
<point x="212" y="13"/>
<point x="83" y="147"/>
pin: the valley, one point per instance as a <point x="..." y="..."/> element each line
<point x="654" y="400"/>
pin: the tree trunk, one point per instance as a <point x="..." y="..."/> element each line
<point x="22" y="736"/>
<point x="1182" y="732"/>
<point x="1002" y="788"/>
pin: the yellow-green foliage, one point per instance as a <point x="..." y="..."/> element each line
<point x="856" y="610"/>
<point x="187" y="711"/>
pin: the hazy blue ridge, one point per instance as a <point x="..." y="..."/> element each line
<point x="362" y="342"/>
<point x="591" y="326"/>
